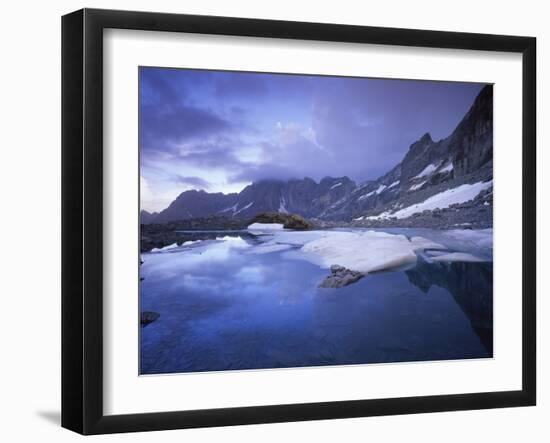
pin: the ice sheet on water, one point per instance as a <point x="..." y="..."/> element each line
<point x="369" y="251"/>
<point x="269" y="247"/>
<point x="175" y="246"/>
<point x="364" y="251"/>
<point x="421" y="243"/>
<point x="165" y="248"/>
<point x="458" y="257"/>
<point x="265" y="227"/>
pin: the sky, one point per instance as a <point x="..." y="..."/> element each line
<point x="220" y="131"/>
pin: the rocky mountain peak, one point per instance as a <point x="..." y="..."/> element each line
<point x="426" y="138"/>
<point x="429" y="166"/>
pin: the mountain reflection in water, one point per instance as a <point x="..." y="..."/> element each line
<point x="470" y="284"/>
<point x="224" y="308"/>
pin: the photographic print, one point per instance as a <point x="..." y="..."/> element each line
<point x="293" y="220"/>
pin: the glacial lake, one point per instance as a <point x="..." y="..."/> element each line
<point x="225" y="307"/>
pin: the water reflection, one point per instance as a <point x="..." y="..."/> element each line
<point x="223" y="307"/>
<point x="470" y="284"/>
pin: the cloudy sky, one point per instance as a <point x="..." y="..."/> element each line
<point x="220" y="131"/>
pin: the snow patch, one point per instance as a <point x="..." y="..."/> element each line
<point x="336" y="185"/>
<point x="363" y="197"/>
<point x="243" y="208"/>
<point x="282" y="206"/>
<point x="447" y="168"/>
<point x="381" y="216"/>
<point x="377" y="191"/>
<point x="460" y="194"/>
<point x="427" y="171"/>
<point x="265" y="227"/>
<point x="231" y="208"/>
<point x="393" y="184"/>
<point x="417" y="186"/>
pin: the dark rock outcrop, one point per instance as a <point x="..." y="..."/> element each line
<point x="340" y="276"/>
<point x="148" y="317"/>
<point x="289" y="221"/>
<point x="471" y="144"/>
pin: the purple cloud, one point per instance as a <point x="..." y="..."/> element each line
<point x="220" y="129"/>
<point x="195" y="182"/>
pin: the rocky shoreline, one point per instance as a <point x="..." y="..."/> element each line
<point x="159" y="235"/>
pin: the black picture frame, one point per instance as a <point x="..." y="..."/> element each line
<point x="82" y="215"/>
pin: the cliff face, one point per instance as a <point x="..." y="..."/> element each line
<point x="471" y="144"/>
<point x="428" y="168"/>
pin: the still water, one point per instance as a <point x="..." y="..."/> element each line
<point x="224" y="308"/>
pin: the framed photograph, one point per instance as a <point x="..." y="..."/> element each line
<point x="269" y="221"/>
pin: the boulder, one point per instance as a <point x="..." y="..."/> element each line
<point x="148" y="317"/>
<point x="340" y="277"/>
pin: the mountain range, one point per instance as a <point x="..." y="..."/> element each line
<point x="428" y="168"/>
